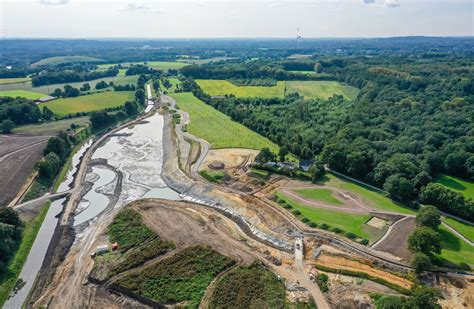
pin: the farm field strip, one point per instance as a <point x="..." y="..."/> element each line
<point x="89" y="103"/>
<point x="321" y="89"/>
<point x="65" y="59"/>
<point x="52" y="127"/>
<point x="5" y="81"/>
<point x="217" y="128"/>
<point x="223" y="87"/>
<point x="158" y="65"/>
<point x="22" y="93"/>
<point x="47" y="89"/>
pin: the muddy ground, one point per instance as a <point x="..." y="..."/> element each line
<point x="18" y="155"/>
<point x="396" y="242"/>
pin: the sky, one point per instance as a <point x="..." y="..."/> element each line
<point x="234" y="19"/>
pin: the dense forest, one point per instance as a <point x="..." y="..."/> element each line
<point x="62" y="75"/>
<point x="411" y="121"/>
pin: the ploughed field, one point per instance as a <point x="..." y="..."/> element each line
<point x="217" y="128"/>
<point x="18" y="155"/>
<point x="89" y="103"/>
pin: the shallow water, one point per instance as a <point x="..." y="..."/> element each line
<point x="76" y="159"/>
<point x="37" y="254"/>
<point x="95" y="202"/>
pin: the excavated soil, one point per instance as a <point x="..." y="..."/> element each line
<point x="396" y="243"/>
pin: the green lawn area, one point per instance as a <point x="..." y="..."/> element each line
<point x="4" y="81"/>
<point x="371" y="197"/>
<point x="465" y="187"/>
<point x="31" y="229"/>
<point x="89" y="103"/>
<point x="22" y="93"/>
<point x="217" y="128"/>
<point x="321" y="89"/>
<point x="47" y="89"/>
<point x="455" y="249"/>
<point x="65" y="59"/>
<point x="465" y="229"/>
<point x="322" y="195"/>
<point x="346" y="221"/>
<point x="52" y="127"/>
<point x="223" y="87"/>
<point x="174" y="82"/>
<point x="158" y="65"/>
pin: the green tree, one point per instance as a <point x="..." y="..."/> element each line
<point x="264" y="156"/>
<point x="49" y="166"/>
<point x="6" y="126"/>
<point x="424" y="297"/>
<point x="140" y="96"/>
<point x="317" y="171"/>
<point x="428" y="216"/>
<point x="399" y="188"/>
<point x="318" y="68"/>
<point x="47" y="113"/>
<point x="425" y="240"/>
<point x="131" y="108"/>
<point x="58" y="146"/>
<point x="421" y="262"/>
<point x="282" y="153"/>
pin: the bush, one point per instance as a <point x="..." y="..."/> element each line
<point x="324" y="226"/>
<point x="296" y="212"/>
<point x="304" y="220"/>
<point x="287" y="206"/>
<point x="350" y="235"/>
<point x="336" y="230"/>
<point x="312" y="224"/>
<point x="322" y="281"/>
<point x="364" y="242"/>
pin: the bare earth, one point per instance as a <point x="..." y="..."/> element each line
<point x="396" y="242"/>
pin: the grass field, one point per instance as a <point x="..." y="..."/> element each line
<point x="5" y="81"/>
<point x="174" y="82"/>
<point x="320" y="89"/>
<point x="371" y="197"/>
<point x="217" y="128"/>
<point x="89" y="103"/>
<point x="65" y="59"/>
<point x="249" y="287"/>
<point x="8" y="280"/>
<point x="465" y="187"/>
<point x="465" y="229"/>
<point x="322" y="195"/>
<point x="22" y="93"/>
<point x="455" y="249"/>
<point x="223" y="87"/>
<point x="47" y="89"/>
<point x="52" y="127"/>
<point x="346" y="221"/>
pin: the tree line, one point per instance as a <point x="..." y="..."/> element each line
<point x="69" y="76"/>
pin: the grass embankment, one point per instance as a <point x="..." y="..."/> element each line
<point x="65" y="59"/>
<point x="89" y="103"/>
<point x="322" y="195"/>
<point x="137" y="244"/>
<point x="465" y="187"/>
<point x="466" y="230"/>
<point x="22" y="93"/>
<point x="213" y="176"/>
<point x="217" y="128"/>
<point x="31" y="229"/>
<point x="223" y="87"/>
<point x="454" y="249"/>
<point x="370" y="196"/>
<point x="248" y="287"/>
<point x="346" y="222"/>
<point x="52" y="127"/>
<point x="321" y="89"/>
<point x="6" y="81"/>
<point x="182" y="277"/>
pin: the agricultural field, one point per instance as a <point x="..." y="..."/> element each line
<point x="89" y="103"/>
<point x="347" y="222"/>
<point x="223" y="87"/>
<point x="18" y="155"/>
<point x="320" y="89"/>
<point x="47" y="89"/>
<point x="465" y="187"/>
<point x="454" y="249"/>
<point x="5" y="81"/>
<point x="248" y="287"/>
<point x="180" y="278"/>
<point x="217" y="128"/>
<point x="52" y="127"/>
<point x="22" y="93"/>
<point x="322" y="195"/>
<point x="65" y="59"/>
<point x="158" y="65"/>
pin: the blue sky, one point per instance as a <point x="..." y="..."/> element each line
<point x="224" y="18"/>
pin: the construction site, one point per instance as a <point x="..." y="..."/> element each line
<point x="154" y="169"/>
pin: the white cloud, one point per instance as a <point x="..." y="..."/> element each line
<point x="392" y="3"/>
<point x="54" y="2"/>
